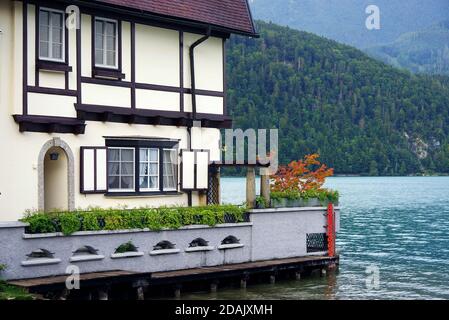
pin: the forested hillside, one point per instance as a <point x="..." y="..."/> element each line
<point x="424" y="51"/>
<point x="362" y="116"/>
<point x="344" y="20"/>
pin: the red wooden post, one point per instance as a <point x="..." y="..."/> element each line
<point x="330" y="230"/>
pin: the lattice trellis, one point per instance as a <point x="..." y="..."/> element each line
<point x="316" y="242"/>
<point x="213" y="193"/>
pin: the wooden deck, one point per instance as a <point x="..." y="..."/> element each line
<point x="174" y="277"/>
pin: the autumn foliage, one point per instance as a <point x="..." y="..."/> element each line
<point x="302" y="175"/>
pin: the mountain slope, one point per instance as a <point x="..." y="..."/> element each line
<point x="344" y="20"/>
<point x="425" y="51"/>
<point x="362" y="116"/>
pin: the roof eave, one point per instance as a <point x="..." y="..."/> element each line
<point x="162" y="18"/>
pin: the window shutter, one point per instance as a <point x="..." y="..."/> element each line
<point x="195" y="169"/>
<point x="188" y="170"/>
<point x="202" y="170"/>
<point x="93" y="168"/>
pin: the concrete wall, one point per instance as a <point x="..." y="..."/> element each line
<point x="271" y="234"/>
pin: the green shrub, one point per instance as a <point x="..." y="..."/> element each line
<point x="323" y="195"/>
<point x="155" y="219"/>
<point x="126" y="247"/>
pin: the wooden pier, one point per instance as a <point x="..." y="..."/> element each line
<point x="100" y="283"/>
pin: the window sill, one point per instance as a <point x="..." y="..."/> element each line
<point x="53" y="66"/>
<point x="141" y="194"/>
<point x="107" y="73"/>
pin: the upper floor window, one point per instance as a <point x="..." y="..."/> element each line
<point x="51" y="35"/>
<point x="106" y="43"/>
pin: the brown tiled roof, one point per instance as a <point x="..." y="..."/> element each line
<point x="234" y="15"/>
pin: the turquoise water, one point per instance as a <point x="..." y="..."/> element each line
<point x="397" y="226"/>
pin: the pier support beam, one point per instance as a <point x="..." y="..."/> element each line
<point x="214" y="287"/>
<point x="103" y="294"/>
<point x="178" y="292"/>
<point x="265" y="185"/>
<point x="298" y="275"/>
<point x="243" y="283"/>
<point x="250" y="188"/>
<point x="140" y="293"/>
<point x="272" y="279"/>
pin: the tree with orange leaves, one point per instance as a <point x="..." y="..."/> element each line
<point x="302" y="175"/>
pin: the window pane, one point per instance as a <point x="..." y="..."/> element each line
<point x="99" y="27"/>
<point x="98" y="41"/>
<point x="154" y="168"/>
<point x="57" y="51"/>
<point x="110" y="43"/>
<point x="169" y="167"/>
<point x="143" y="155"/>
<point x="143" y="169"/>
<point x="110" y="58"/>
<point x="99" y="56"/>
<point x="113" y="168"/>
<point x="153" y="183"/>
<point x="113" y="154"/>
<point x="43" y="18"/>
<point x="56" y="19"/>
<point x="127" y="183"/>
<point x="144" y="182"/>
<point x="57" y="35"/>
<point x="154" y="155"/>
<point x="43" y="49"/>
<point x="43" y="33"/>
<point x="127" y="168"/>
<point x="127" y="155"/>
<point x="113" y="182"/>
<point x="110" y="29"/>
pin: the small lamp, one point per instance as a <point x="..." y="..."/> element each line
<point x="54" y="156"/>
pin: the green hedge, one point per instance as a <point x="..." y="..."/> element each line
<point x="324" y="195"/>
<point x="94" y="219"/>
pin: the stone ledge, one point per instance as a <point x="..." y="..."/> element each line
<point x="127" y="255"/>
<point x="111" y="232"/>
<point x="40" y="262"/>
<point x="13" y="224"/>
<point x="292" y="209"/>
<point x="87" y="257"/>
<point x="199" y="249"/>
<point x="230" y="246"/>
<point x="165" y="251"/>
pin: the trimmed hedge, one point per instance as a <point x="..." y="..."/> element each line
<point x="323" y="195"/>
<point x="94" y="219"/>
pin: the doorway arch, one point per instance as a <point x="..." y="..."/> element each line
<point x="65" y="169"/>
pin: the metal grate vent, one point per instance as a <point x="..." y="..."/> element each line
<point x="213" y="193"/>
<point x="316" y="242"/>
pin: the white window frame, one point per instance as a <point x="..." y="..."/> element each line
<point x="104" y="43"/>
<point x="148" y="175"/>
<point x="120" y="169"/>
<point x="175" y="174"/>
<point x="50" y="36"/>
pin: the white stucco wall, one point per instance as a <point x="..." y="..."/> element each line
<point x="19" y="164"/>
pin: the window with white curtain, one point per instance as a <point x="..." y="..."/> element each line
<point x="106" y="43"/>
<point x="51" y="35"/>
<point x="121" y="169"/>
<point x="170" y="169"/>
<point x="149" y="169"/>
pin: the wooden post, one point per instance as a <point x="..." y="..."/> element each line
<point x="272" y="279"/>
<point x="250" y="187"/>
<point x="298" y="275"/>
<point x="178" y="291"/>
<point x="140" y="293"/>
<point x="265" y="185"/>
<point x="202" y="198"/>
<point x="243" y="283"/>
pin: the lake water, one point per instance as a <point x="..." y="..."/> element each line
<point x="398" y="226"/>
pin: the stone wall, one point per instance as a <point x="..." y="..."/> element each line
<point x="271" y="234"/>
